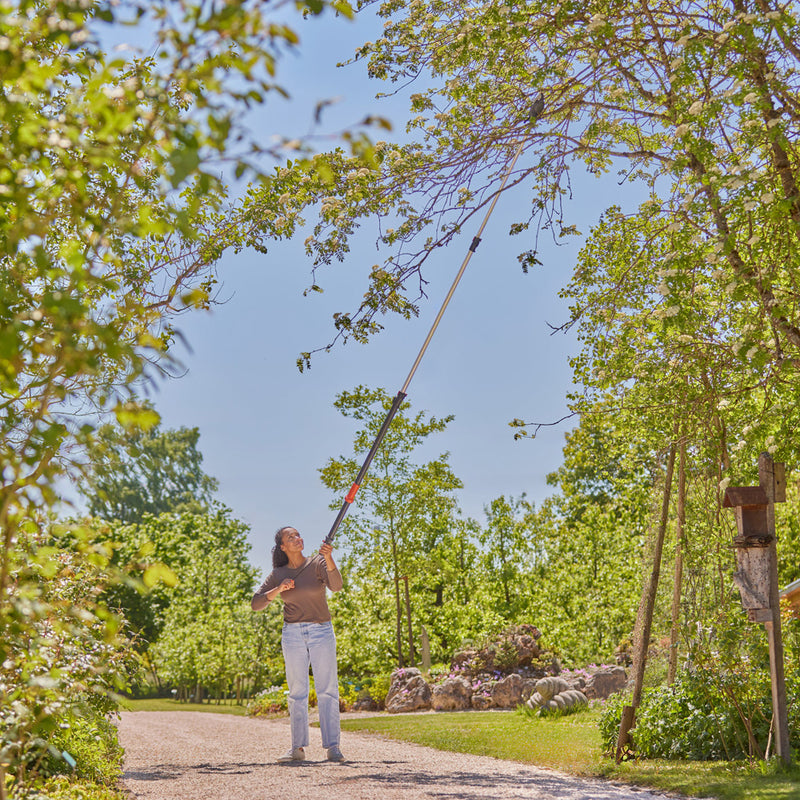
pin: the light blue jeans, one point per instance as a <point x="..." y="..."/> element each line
<point x="315" y="643"/>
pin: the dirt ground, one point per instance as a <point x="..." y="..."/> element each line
<point x="188" y="755"/>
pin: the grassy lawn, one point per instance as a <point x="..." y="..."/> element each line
<point x="572" y="744"/>
<point x="569" y="743"/>
<point x="167" y="704"/>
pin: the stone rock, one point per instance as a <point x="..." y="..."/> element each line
<point x="549" y="687"/>
<point x="528" y="688"/>
<point x="527" y="648"/>
<point x="516" y="647"/>
<point x="605" y="682"/>
<point x="573" y="697"/>
<point x="454" y="694"/>
<point x="408" y="691"/>
<point x="555" y="693"/>
<point x="507" y="693"/>
<point x="363" y="704"/>
<point x="480" y="702"/>
<point x="578" y="682"/>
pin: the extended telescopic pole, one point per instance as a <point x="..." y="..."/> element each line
<point x="536" y="112"/>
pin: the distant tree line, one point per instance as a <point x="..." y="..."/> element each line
<point x="415" y="568"/>
<point x="411" y="561"/>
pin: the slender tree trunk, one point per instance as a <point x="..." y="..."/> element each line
<point x="676" y="589"/>
<point x="153" y="671"/>
<point x="8" y="528"/>
<point x="256" y="677"/>
<point x="504" y="572"/>
<point x="398" y="606"/>
<point x="644" y="620"/>
<point x="463" y="571"/>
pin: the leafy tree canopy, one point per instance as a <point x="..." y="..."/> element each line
<point x="592" y="536"/>
<point x="136" y="472"/>
<point x="399" y="497"/>
<point x="161" y="554"/>
<point x="112" y="211"/>
<point x="112" y="218"/>
<point x="693" y="297"/>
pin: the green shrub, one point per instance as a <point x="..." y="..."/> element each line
<point x="348" y="694"/>
<point x="91" y="743"/>
<point x="274" y="700"/>
<point x="721" y="705"/>
<point x="506" y="656"/>
<point x="377" y="688"/>
<point x="610" y="719"/>
<point x="61" y="787"/>
<point x="702" y="717"/>
<point x="63" y="657"/>
<point x="439" y="673"/>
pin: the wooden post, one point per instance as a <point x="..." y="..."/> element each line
<point x="672" y="671"/>
<point x="644" y="620"/>
<point x="411" y="654"/>
<point x="425" y="649"/>
<point x="772" y="481"/>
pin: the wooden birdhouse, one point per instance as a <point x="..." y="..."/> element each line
<point x="752" y="576"/>
<point x="750" y="503"/>
<point x="754" y="540"/>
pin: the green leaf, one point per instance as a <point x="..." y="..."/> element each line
<point x="135" y="415"/>
<point x="159" y="573"/>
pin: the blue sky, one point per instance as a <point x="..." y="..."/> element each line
<point x="266" y="429"/>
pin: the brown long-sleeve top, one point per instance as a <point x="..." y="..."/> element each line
<point x="307" y="601"/>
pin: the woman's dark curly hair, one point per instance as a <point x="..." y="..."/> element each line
<point x="279" y="558"/>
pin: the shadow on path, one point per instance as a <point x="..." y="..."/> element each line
<point x="457" y="784"/>
<point x="386" y="774"/>
<point x="166" y="772"/>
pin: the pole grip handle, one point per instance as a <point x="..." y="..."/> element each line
<point x="351" y="495"/>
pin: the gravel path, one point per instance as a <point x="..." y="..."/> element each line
<point x="187" y="755"/>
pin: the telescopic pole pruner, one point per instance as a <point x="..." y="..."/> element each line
<point x="536" y="112"/>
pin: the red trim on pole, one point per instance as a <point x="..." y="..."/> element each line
<point x="351" y="495"/>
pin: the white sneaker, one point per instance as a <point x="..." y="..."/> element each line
<point x="335" y="754"/>
<point x="297" y="754"/>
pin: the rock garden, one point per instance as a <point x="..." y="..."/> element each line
<point x="505" y="672"/>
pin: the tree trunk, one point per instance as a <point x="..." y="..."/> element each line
<point x="150" y="665"/>
<point x="398" y="606"/>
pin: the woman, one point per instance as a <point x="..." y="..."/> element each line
<point x="307" y="636"/>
